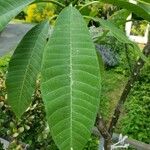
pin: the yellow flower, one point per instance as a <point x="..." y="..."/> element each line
<point x="37" y="13"/>
<point x="38" y="18"/>
<point x="33" y="6"/>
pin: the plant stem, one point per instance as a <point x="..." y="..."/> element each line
<point x="66" y="2"/>
<point x="133" y="78"/>
<point x="51" y="1"/>
<point x="104" y="132"/>
<point x="128" y="57"/>
<point x="103" y="35"/>
<point x="144" y="2"/>
<point x="53" y="17"/>
<point x="107" y="134"/>
<point x="90" y="3"/>
<point x="75" y="2"/>
<point x="130" y="20"/>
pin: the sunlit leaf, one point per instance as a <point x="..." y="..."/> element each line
<point x="70" y="81"/>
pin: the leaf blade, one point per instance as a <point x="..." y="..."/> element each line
<point x="70" y="81"/>
<point x="119" y="35"/>
<point x="137" y="9"/>
<point x="24" y="66"/>
<point x="9" y="9"/>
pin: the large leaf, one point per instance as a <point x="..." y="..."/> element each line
<point x="115" y="31"/>
<point x="137" y="9"/>
<point x="70" y="81"/>
<point x="119" y="17"/>
<point x="146" y="1"/>
<point x="23" y="68"/>
<point x="119" y="35"/>
<point x="145" y="6"/>
<point x="9" y="9"/>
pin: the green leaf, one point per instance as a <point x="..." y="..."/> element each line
<point x="9" y="9"/>
<point x="24" y="66"/>
<point x="119" y="17"/>
<point x="120" y="35"/>
<point x="115" y="31"/>
<point x="70" y="81"/>
<point x="137" y="9"/>
<point x="146" y="1"/>
<point x="145" y="6"/>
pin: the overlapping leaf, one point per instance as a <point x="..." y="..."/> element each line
<point x="146" y="1"/>
<point x="137" y="9"/>
<point x="9" y="9"/>
<point x="24" y="66"/>
<point x="70" y="81"/>
<point x="120" y="17"/>
<point x="119" y="35"/>
<point x="145" y="6"/>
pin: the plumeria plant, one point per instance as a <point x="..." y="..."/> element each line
<point x="68" y="64"/>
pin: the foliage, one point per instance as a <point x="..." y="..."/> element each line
<point x="92" y="144"/>
<point x="4" y="62"/>
<point x="128" y="55"/>
<point x="120" y="17"/>
<point x="32" y="129"/>
<point x="33" y="122"/>
<point x="39" y="12"/>
<point x="140" y="10"/>
<point x="138" y="28"/>
<point x="114" y="78"/>
<point x="116" y="32"/>
<point x="24" y="67"/>
<point x="1" y="146"/>
<point x="112" y="85"/>
<point x="7" y="12"/>
<point x="135" y="121"/>
<point x="30" y="124"/>
<point x="70" y="72"/>
<point x="97" y="9"/>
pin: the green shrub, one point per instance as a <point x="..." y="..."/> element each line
<point x="136" y="121"/>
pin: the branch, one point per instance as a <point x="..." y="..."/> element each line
<point x="75" y="2"/>
<point x="132" y="142"/>
<point x="87" y="4"/>
<point x="51" y="1"/>
<point x="104" y="132"/>
<point x="66" y="2"/>
<point x="128" y="57"/>
<point x="133" y="78"/>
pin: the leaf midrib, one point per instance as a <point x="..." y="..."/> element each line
<point x="71" y="81"/>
